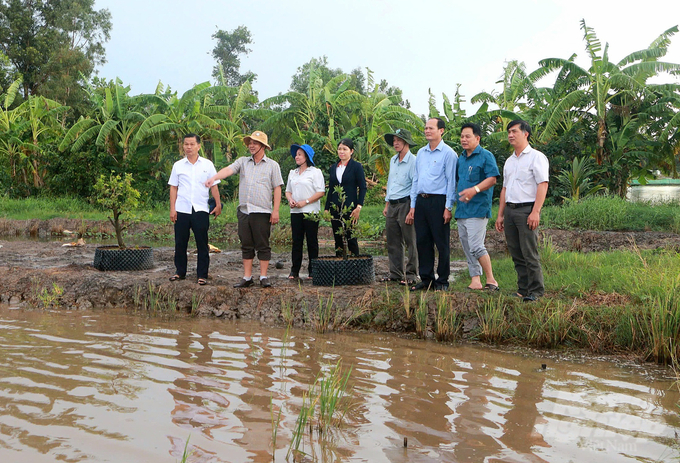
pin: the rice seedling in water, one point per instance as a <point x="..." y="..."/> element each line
<point x="287" y="311"/>
<point x="306" y="410"/>
<point x="187" y="452"/>
<point x="406" y="297"/>
<point x="330" y="392"/>
<point x="275" y="425"/>
<point x="492" y="324"/>
<point x="323" y="315"/>
<point x="196" y="300"/>
<point x="664" y="327"/>
<point x="549" y="326"/>
<point x="421" y="315"/>
<point x="446" y="319"/>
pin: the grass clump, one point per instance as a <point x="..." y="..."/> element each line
<point x="612" y="213"/>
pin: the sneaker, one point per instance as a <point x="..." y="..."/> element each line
<point x="244" y="283"/>
<point x="265" y="283"/>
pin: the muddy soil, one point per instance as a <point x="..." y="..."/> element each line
<point x="29" y="271"/>
<point x="562" y="240"/>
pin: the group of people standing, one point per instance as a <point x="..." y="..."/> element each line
<point x="421" y="194"/>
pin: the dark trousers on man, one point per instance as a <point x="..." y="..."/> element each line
<point x="431" y="231"/>
<point x="352" y="243"/>
<point x="301" y="228"/>
<point x="198" y="222"/>
<point x="523" y="246"/>
<point x="254" y="230"/>
<point x="400" y="234"/>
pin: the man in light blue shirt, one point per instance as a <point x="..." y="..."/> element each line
<point x="432" y="197"/>
<point x="397" y="206"/>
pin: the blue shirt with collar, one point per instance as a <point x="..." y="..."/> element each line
<point x="435" y="173"/>
<point x="470" y="171"/>
<point x="400" y="178"/>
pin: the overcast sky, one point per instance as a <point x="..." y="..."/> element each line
<point x="415" y="45"/>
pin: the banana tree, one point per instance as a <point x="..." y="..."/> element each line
<point x="117" y="119"/>
<point x="594" y="88"/>
<point x="372" y="116"/>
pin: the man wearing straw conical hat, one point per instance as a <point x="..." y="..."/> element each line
<point x="259" y="194"/>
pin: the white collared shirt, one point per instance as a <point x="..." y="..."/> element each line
<point x="189" y="179"/>
<point x="339" y="171"/>
<point x="305" y="185"/>
<point x="523" y="173"/>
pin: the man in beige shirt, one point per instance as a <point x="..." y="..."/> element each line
<point x="259" y="184"/>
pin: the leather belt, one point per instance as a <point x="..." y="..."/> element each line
<point x="518" y="205"/>
<point x="428" y="195"/>
<point x="403" y="200"/>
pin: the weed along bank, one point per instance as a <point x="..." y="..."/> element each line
<point x="622" y="301"/>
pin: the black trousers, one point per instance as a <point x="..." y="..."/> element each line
<point x="352" y="243"/>
<point x="301" y="228"/>
<point x="198" y="222"/>
<point x="431" y="231"/>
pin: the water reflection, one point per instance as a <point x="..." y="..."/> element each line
<point x="111" y="387"/>
<point x="654" y="193"/>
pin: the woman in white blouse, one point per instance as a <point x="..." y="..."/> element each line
<point x="304" y="189"/>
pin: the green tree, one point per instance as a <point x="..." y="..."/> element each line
<point x="371" y="116"/>
<point x="506" y="105"/>
<point x="594" y="88"/>
<point x="116" y="194"/>
<point x="116" y="120"/>
<point x="51" y="43"/>
<point x="230" y="46"/>
<point x="318" y="67"/>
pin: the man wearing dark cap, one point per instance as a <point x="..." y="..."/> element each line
<point x="397" y="206"/>
<point x="260" y="183"/>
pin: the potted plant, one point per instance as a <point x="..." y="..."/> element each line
<point x="344" y="269"/>
<point x="116" y="194"/>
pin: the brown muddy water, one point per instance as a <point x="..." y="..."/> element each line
<point x="109" y="386"/>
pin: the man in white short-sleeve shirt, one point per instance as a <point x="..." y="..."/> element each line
<point x="189" y="207"/>
<point x="525" y="185"/>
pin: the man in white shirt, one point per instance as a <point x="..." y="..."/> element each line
<point x="189" y="207"/>
<point x="525" y="185"/>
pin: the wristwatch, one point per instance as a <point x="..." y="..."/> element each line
<point x="477" y="189"/>
<point x="307" y="201"/>
<point x="449" y="208"/>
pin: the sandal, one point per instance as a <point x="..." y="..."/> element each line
<point x="408" y="282"/>
<point x="422" y="285"/>
<point x="176" y="277"/>
<point x="293" y="277"/>
<point x="202" y="281"/>
<point x="491" y="288"/>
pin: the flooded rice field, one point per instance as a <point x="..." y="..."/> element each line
<point x="100" y="386"/>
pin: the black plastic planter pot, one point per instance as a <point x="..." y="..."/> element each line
<point x="108" y="258"/>
<point x="334" y="271"/>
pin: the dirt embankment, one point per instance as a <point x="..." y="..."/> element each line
<point x="562" y="240"/>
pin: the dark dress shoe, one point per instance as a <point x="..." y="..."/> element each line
<point x="244" y="283"/>
<point x="265" y="283"/>
<point x="530" y="298"/>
